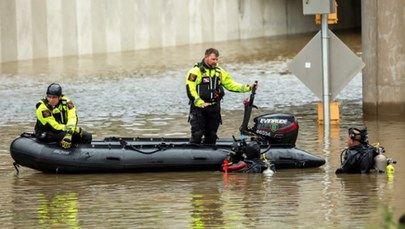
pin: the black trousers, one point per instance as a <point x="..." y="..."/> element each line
<point x="49" y="136"/>
<point x="204" y="122"/>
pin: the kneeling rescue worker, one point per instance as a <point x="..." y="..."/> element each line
<point x="57" y="119"/>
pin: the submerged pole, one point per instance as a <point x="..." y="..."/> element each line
<point x="325" y="74"/>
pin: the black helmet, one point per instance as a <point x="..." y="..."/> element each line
<point x="252" y="150"/>
<point x="359" y="134"/>
<point x="54" y="89"/>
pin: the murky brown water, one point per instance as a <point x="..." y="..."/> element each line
<point x="143" y="94"/>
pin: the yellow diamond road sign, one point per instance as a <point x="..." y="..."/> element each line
<point x="307" y="65"/>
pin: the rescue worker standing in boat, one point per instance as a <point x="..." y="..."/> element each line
<point x="57" y="119"/>
<point x="359" y="156"/>
<point x="205" y="84"/>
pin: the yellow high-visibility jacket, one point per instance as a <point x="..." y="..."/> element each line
<point x="206" y="84"/>
<point x="59" y="118"/>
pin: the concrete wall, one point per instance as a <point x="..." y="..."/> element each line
<point x="31" y="29"/>
<point x="383" y="36"/>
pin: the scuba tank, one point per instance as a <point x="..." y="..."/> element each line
<point x="380" y="161"/>
<point x="389" y="169"/>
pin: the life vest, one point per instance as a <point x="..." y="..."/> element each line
<point x="210" y="89"/>
<point x="59" y="112"/>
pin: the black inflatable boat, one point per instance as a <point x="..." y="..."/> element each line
<point x="276" y="135"/>
<point x="143" y="155"/>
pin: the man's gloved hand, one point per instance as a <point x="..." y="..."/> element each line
<point x="79" y="131"/>
<point x="74" y="129"/>
<point x="66" y="141"/>
<point x="70" y="129"/>
<point x="253" y="85"/>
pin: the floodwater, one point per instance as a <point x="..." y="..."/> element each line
<point x="142" y="94"/>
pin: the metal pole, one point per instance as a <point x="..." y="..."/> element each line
<point x="325" y="74"/>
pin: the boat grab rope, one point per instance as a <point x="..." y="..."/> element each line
<point x="16" y="167"/>
<point x="266" y="150"/>
<point x="160" y="147"/>
<point x="27" y="135"/>
<point x="163" y="146"/>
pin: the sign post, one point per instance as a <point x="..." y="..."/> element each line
<point x="325" y="59"/>
<point x="325" y="72"/>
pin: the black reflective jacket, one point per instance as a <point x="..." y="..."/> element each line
<point x="358" y="159"/>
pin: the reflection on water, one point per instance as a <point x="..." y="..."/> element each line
<point x="143" y="94"/>
<point x="60" y="209"/>
<point x="197" y="200"/>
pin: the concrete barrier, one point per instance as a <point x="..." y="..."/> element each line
<point x="52" y="28"/>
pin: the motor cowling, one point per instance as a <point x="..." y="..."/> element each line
<point x="277" y="129"/>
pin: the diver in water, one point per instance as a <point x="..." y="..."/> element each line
<point x="359" y="156"/>
<point x="246" y="158"/>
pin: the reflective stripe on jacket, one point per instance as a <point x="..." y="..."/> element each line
<point x="207" y="84"/>
<point x="55" y="118"/>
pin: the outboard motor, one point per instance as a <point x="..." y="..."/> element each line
<point x="277" y="129"/>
